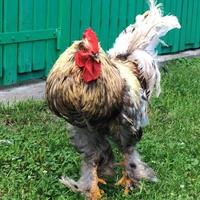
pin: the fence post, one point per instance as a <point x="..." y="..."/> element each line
<point x="64" y="24"/>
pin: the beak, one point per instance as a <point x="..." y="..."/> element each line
<point x="96" y="57"/>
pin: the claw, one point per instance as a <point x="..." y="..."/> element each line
<point x="101" y="181"/>
<point x="120" y="164"/>
<point x="126" y="182"/>
<point x="95" y="193"/>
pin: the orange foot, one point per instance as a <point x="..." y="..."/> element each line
<point x="126" y="182"/>
<point x="95" y="192"/>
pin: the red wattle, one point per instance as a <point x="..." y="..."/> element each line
<point x="91" y="68"/>
<point x="81" y="58"/>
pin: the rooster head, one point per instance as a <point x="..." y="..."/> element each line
<point x="87" y="56"/>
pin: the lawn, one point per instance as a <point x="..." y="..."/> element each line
<point x="35" y="150"/>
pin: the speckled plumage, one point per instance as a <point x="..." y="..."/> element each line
<point x="107" y="107"/>
<point x="95" y="103"/>
<point x="110" y="101"/>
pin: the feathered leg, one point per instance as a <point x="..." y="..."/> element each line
<point x="106" y="161"/>
<point x="92" y="148"/>
<point x="134" y="169"/>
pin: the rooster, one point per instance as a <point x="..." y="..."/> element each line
<point x="105" y="95"/>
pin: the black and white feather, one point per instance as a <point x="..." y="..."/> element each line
<point x="139" y="41"/>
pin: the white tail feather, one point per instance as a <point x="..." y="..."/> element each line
<point x="144" y="36"/>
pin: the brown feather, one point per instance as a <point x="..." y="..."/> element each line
<point x="70" y="97"/>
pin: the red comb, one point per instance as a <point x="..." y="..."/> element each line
<point x="91" y="36"/>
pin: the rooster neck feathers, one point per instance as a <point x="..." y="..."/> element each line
<point x="71" y="98"/>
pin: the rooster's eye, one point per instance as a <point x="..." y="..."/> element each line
<point x="82" y="48"/>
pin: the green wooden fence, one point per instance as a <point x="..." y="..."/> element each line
<point x="34" y="32"/>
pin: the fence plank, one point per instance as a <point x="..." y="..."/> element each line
<point x="64" y="24"/>
<point x="122" y="15"/>
<point x="184" y="22"/>
<point x="85" y="15"/>
<point x="25" y="23"/>
<point x="140" y="7"/>
<point x="39" y="23"/>
<point x="105" y="15"/>
<point x="96" y="16"/>
<point x="10" y="17"/>
<point x="67" y="21"/>
<point x="167" y="38"/>
<point x="159" y="48"/>
<point x="197" y="38"/>
<point x="1" y="24"/>
<point x="176" y="8"/>
<point x="75" y="20"/>
<point x="52" y="19"/>
<point x="189" y="29"/>
<point x="114" y="18"/>
<point x="196" y="29"/>
<point x="131" y="12"/>
<point x="28" y="76"/>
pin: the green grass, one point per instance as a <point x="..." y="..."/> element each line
<point x="40" y="152"/>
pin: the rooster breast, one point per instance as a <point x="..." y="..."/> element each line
<point x="80" y="103"/>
